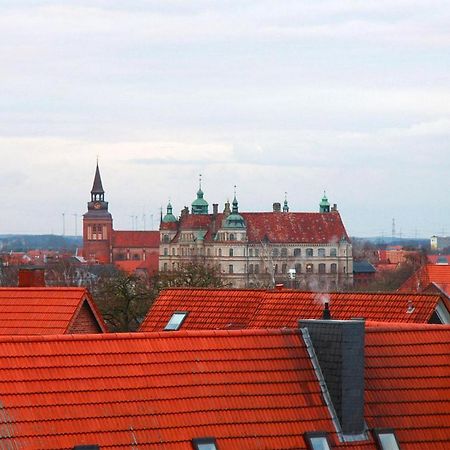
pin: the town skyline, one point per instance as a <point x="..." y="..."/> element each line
<point x="349" y="98"/>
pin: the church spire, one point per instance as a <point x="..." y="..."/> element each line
<point x="97" y="192"/>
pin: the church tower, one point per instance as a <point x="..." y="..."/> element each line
<point x="97" y="225"/>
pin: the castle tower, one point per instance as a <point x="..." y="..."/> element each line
<point x="97" y="225"/>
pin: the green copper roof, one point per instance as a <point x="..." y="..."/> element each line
<point x="169" y="217"/>
<point x="200" y="205"/>
<point x="324" y="201"/>
<point x="234" y="220"/>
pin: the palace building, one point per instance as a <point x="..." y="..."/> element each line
<point x="260" y="249"/>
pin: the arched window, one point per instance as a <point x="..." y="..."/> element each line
<point x="232" y="237"/>
<point x="231" y="252"/>
<point x="333" y="268"/>
<point x="275" y="252"/>
<point x="220" y="252"/>
<point x="333" y="252"/>
<point x="322" y="268"/>
<point x="309" y="252"/>
<point x="321" y="252"/>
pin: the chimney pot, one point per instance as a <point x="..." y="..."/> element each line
<point x="326" y="314"/>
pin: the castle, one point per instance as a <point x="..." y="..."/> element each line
<point x="309" y="250"/>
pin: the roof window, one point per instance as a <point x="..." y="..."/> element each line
<point x="176" y="321"/>
<point x="317" y="440"/>
<point x="204" y="444"/>
<point x="386" y="439"/>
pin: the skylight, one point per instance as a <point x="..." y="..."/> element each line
<point x="204" y="444"/>
<point x="386" y="439"/>
<point x="317" y="441"/>
<point x="176" y="321"/>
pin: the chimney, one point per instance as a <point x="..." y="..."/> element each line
<point x="32" y="277"/>
<point x="339" y="347"/>
<point x="334" y="207"/>
<point x="326" y="314"/>
<point x="276" y="207"/>
<point x="215" y="208"/>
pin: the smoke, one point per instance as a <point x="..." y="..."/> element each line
<point x="321" y="298"/>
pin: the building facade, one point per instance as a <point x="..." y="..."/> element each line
<point x="129" y="250"/>
<point x="300" y="250"/>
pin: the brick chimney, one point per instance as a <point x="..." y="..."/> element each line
<point x="31" y="277"/>
<point x="339" y="347"/>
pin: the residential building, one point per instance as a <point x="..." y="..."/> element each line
<point x="225" y="309"/>
<point x="438" y="243"/>
<point x="426" y="276"/>
<point x="102" y="244"/>
<point x="326" y="384"/>
<point x="251" y="249"/>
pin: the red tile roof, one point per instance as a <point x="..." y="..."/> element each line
<point x="35" y="311"/>
<point x="248" y="389"/>
<point x="135" y="239"/>
<point x="248" y="308"/>
<point x="130" y="266"/>
<point x="407" y="375"/>
<point x="277" y="227"/>
<point x="209" y="309"/>
<point x="427" y="274"/>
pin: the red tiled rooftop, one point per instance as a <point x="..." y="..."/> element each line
<point x="427" y="274"/>
<point x="248" y="389"/>
<point x="36" y="311"/>
<point x="249" y="308"/>
<point x="136" y="239"/>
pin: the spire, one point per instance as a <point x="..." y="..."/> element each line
<point x="199" y="205"/>
<point x="324" y="205"/>
<point x="285" y="204"/>
<point x="235" y="209"/>
<point x="169" y="217"/>
<point x="97" y="191"/>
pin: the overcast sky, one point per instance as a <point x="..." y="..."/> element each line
<point x="272" y="96"/>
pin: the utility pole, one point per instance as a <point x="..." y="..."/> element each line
<point x="63" y="224"/>
<point x="75" y="215"/>
<point x="393" y="227"/>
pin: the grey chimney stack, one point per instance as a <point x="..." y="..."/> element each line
<point x="339" y="347"/>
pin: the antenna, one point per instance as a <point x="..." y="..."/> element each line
<point x="393" y="227"/>
<point x="63" y="224"/>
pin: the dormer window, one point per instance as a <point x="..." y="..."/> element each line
<point x="317" y="440"/>
<point x="204" y="444"/>
<point x="386" y="439"/>
<point x="176" y="321"/>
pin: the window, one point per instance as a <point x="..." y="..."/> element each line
<point x="386" y="439"/>
<point x="204" y="444"/>
<point x="256" y="268"/>
<point x="322" y="268"/>
<point x="321" y="252"/>
<point x="232" y="237"/>
<point x="297" y="252"/>
<point x="309" y="268"/>
<point x="173" y="251"/>
<point x="176" y="321"/>
<point x="298" y="268"/>
<point x="284" y="268"/>
<point x="165" y="267"/>
<point x="309" y="252"/>
<point x="230" y="268"/>
<point x="231" y="252"/>
<point x="333" y="252"/>
<point x="275" y="253"/>
<point x="166" y="252"/>
<point x="284" y="252"/>
<point x="208" y="252"/>
<point x="333" y="268"/>
<point x="250" y="268"/>
<point x="250" y="252"/>
<point x="220" y="252"/>
<point x="275" y="268"/>
<point x="317" y="441"/>
<point x="166" y="238"/>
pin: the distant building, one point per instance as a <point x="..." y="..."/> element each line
<point x="129" y="250"/>
<point x="439" y="242"/>
<point x="260" y="248"/>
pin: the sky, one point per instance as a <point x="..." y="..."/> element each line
<point x="273" y="97"/>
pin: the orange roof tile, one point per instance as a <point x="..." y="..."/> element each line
<point x="35" y="311"/>
<point x="248" y="389"/>
<point x="407" y="375"/>
<point x="426" y="275"/>
<point x="248" y="308"/>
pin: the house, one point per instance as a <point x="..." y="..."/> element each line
<point x="260" y="249"/>
<point x="363" y="273"/>
<point x="228" y="390"/>
<point x="428" y="274"/>
<point x="33" y="309"/>
<point x="209" y="309"/>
